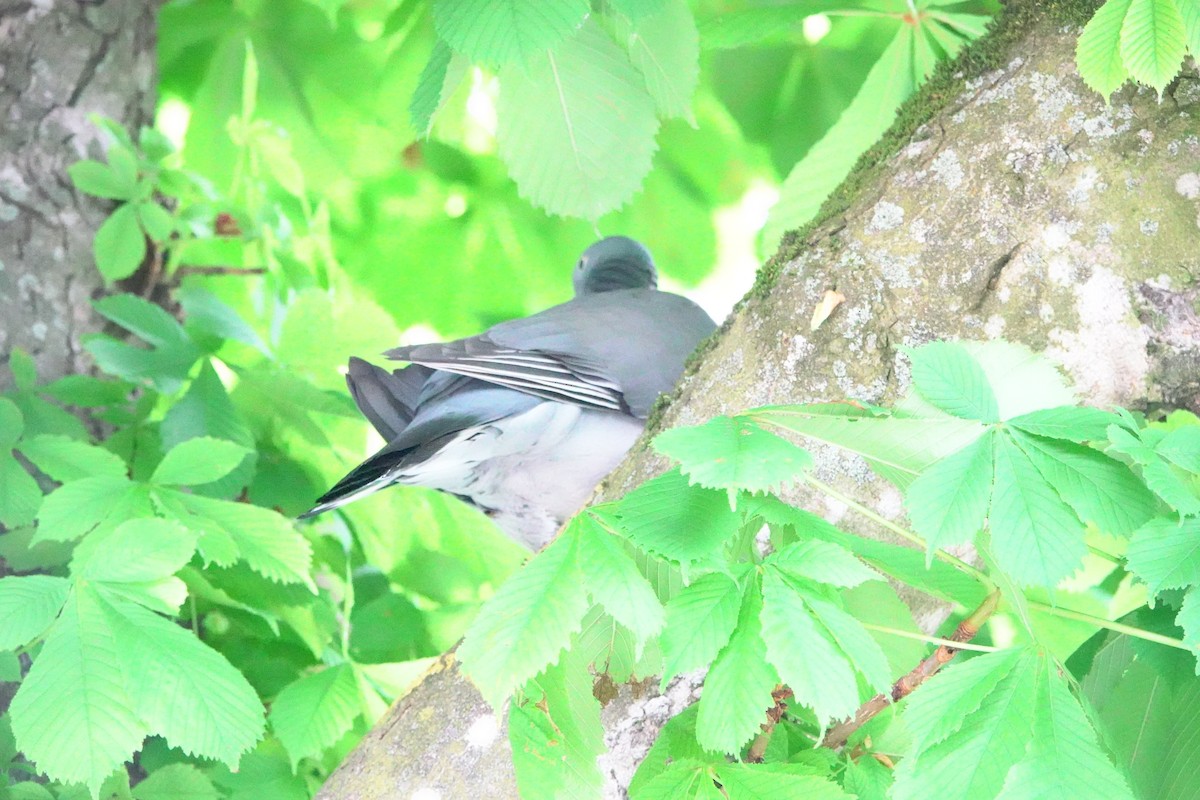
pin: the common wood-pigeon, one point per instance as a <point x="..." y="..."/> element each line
<point x="524" y="419"/>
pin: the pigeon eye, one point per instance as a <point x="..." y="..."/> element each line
<point x="579" y="266"/>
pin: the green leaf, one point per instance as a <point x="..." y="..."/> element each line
<point x="187" y="692"/>
<point x="733" y="453"/>
<point x="156" y="221"/>
<point x="199" y="460"/>
<point x="88" y="392"/>
<point x="1063" y="758"/>
<point x="948" y="502"/>
<point x="210" y="318"/>
<point x="388" y="629"/>
<point x="683" y="779"/>
<point x="829" y="161"/>
<point x="937" y="710"/>
<point x="903" y="563"/>
<point x="667" y="517"/>
<point x="76" y="508"/>
<point x="1191" y="24"/>
<point x="822" y="562"/>
<point x="137" y="550"/>
<point x="946" y="375"/>
<point x="556" y="734"/>
<point x="1100" y="489"/>
<point x="66" y="459"/>
<point x="777" y="782"/>
<point x="700" y="620"/>
<point x="120" y="245"/>
<point x="101" y="180"/>
<point x="1182" y="448"/>
<point x="1036" y="537"/>
<point x="438" y="81"/>
<point x="528" y="622"/>
<point x="1189" y="620"/>
<point x="498" y="32"/>
<point x="904" y="444"/>
<point x="810" y="663"/>
<point x="1153" y="41"/>
<point x="613" y="579"/>
<point x="1071" y="423"/>
<point x="267" y="541"/>
<point x="73" y="715"/>
<point x="852" y="639"/>
<point x="168" y="361"/>
<point x="737" y="28"/>
<point x="1166" y="554"/>
<point x="175" y="782"/>
<point x="20" y="495"/>
<point x="973" y="762"/>
<point x="665" y="47"/>
<point x="28" y="604"/>
<point x="737" y="689"/>
<point x="312" y="713"/>
<point x="1023" y="381"/>
<point x="559" y="133"/>
<point x="23" y="368"/>
<point x="1098" y="53"/>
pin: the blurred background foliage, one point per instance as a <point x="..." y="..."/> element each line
<point x="299" y="202"/>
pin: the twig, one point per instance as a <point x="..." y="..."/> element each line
<point x="840" y="733"/>
<point x="758" y="747"/>
<point x="191" y="269"/>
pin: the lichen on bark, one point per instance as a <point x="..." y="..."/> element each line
<point x="59" y="64"/>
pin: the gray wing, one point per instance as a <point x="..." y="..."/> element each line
<point x="387" y="399"/>
<point x="615" y="350"/>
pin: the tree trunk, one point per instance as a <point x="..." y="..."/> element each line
<point x="1007" y="201"/>
<point x="59" y="63"/>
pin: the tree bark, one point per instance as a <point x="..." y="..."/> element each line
<point x="1007" y="201"/>
<point x="59" y="63"/>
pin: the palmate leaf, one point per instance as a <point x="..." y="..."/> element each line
<point x="1153" y="41"/>
<point x="1098" y="53"/>
<point x="498" y="32"/>
<point x="176" y="782"/>
<point x="665" y="47"/>
<point x="669" y="518"/>
<point x="733" y="453"/>
<point x="79" y="507"/>
<point x="829" y="161"/>
<point x="528" y="622"/>
<point x="1100" y="489"/>
<point x="66" y="459"/>
<point x="313" y="712"/>
<point x="1070" y="423"/>
<point x="947" y="376"/>
<point x="73" y="715"/>
<point x="28" y="604"/>
<point x="172" y="352"/>
<point x="1036" y="537"/>
<point x="187" y="692"/>
<point x="137" y="550"/>
<point x="812" y="665"/>
<point x="1166" y="554"/>
<point x="737" y="689"/>
<point x="614" y="581"/>
<point x="700" y="620"/>
<point x="576" y="126"/>
<point x="777" y="782"/>
<point x="682" y="779"/>
<point x="438" y="81"/>
<point x="948" y="502"/>
<point x="1063" y="758"/>
<point x="556" y="734"/>
<point x="903" y="444"/>
<point x="199" y="460"/>
<point x="973" y="762"/>
<point x="267" y="541"/>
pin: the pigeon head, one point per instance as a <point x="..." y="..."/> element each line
<point x="617" y="262"/>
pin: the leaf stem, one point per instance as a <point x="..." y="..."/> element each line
<point x="900" y="531"/>
<point x="1119" y="627"/>
<point x="921" y="637"/>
